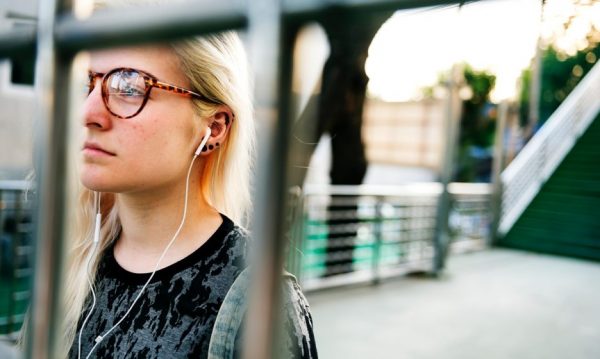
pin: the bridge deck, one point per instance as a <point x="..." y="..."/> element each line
<point x="495" y="304"/>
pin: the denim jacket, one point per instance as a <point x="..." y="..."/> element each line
<point x="298" y="341"/>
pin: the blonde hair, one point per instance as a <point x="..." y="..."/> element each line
<point x="216" y="67"/>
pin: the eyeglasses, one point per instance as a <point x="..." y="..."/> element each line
<point x="125" y="91"/>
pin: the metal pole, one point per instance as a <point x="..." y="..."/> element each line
<point x="378" y="231"/>
<point x="535" y="84"/>
<point x="453" y="115"/>
<point x="50" y="165"/>
<point x="310" y="10"/>
<point x="270" y="52"/>
<point x="136" y="25"/>
<point x="498" y="166"/>
<point x="18" y="41"/>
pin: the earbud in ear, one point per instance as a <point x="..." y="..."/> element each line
<point x="204" y="140"/>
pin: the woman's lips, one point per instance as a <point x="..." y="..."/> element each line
<point x="91" y="148"/>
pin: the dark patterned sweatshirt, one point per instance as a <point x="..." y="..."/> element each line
<point x="175" y="315"/>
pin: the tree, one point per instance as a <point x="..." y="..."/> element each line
<point x="568" y="54"/>
<point x="477" y="124"/>
<point x="477" y="127"/>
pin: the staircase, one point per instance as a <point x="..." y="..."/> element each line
<point x="564" y="217"/>
<point x="551" y="191"/>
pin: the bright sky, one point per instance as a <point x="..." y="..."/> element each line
<point x="414" y="47"/>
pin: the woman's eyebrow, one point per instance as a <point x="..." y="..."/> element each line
<point x="148" y="72"/>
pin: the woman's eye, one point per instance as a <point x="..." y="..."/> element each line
<point x="132" y="91"/>
<point x="125" y="87"/>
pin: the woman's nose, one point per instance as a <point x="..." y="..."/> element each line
<point x="95" y="114"/>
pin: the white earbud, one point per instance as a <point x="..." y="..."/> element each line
<point x="98" y="218"/>
<point x="204" y="140"/>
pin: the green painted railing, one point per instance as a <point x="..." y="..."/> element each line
<point x="15" y="255"/>
<point x="352" y="234"/>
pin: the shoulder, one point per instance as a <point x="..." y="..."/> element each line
<point x="300" y="340"/>
<point x="236" y="233"/>
<point x="233" y="239"/>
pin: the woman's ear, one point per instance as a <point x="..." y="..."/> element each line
<point x="219" y="125"/>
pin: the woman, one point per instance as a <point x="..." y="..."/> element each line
<point x="165" y="169"/>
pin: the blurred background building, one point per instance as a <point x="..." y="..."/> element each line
<point x="16" y="96"/>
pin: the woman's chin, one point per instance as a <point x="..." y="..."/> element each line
<point x="96" y="183"/>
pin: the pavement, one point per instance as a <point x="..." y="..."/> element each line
<point x="493" y="304"/>
<point x="7" y="351"/>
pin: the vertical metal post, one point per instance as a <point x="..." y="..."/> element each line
<point x="52" y="79"/>
<point x="535" y="84"/>
<point x="453" y="114"/>
<point x="271" y="56"/>
<point x="378" y="241"/>
<point x="498" y="166"/>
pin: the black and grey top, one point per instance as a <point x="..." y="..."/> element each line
<point x="175" y="316"/>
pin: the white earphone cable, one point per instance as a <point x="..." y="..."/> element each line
<point x="87" y="267"/>
<point x="99" y="338"/>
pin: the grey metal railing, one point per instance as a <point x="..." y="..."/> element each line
<point x="363" y="233"/>
<point x="16" y="252"/>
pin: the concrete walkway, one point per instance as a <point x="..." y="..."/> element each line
<point x="496" y="304"/>
<point x="7" y="351"/>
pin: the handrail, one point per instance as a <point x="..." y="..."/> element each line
<point x="526" y="174"/>
<point x="407" y="189"/>
<point x="15" y="185"/>
<point x="365" y="233"/>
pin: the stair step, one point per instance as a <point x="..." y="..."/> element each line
<point x="564" y="216"/>
<point x="566" y="201"/>
<point x="581" y="236"/>
<point x="552" y="248"/>
<point x="553" y="218"/>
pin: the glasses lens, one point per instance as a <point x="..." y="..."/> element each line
<point x="125" y="90"/>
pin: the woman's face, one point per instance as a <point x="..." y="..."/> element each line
<point x="149" y="151"/>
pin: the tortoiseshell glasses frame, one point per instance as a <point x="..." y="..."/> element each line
<point x="126" y="80"/>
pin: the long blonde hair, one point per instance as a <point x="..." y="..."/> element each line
<point x="216" y="67"/>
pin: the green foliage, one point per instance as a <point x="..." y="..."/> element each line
<point x="481" y="84"/>
<point x="477" y="126"/>
<point x="560" y="75"/>
<point x="524" y="96"/>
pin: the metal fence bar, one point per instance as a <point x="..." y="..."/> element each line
<point x="52" y="82"/>
<point x="18" y="41"/>
<point x="112" y="27"/>
<point x="452" y="125"/>
<point x="498" y="166"/>
<point x="310" y="10"/>
<point x="378" y="240"/>
<point x="272" y="61"/>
